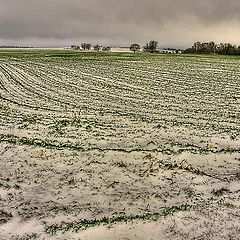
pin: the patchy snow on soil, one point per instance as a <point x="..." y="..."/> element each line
<point x="118" y="146"/>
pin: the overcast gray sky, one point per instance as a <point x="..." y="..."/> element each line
<point x="118" y="22"/>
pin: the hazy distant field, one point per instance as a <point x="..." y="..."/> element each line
<point x="119" y="146"/>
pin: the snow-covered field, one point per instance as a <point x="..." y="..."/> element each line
<point x="119" y="146"/>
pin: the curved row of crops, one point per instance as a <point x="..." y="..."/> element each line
<point x="117" y="101"/>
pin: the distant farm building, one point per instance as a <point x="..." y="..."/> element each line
<point x="121" y="49"/>
<point x="169" y="50"/>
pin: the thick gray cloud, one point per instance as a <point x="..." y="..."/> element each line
<point x="118" y="22"/>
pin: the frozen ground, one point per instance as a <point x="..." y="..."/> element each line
<point x="119" y="146"/>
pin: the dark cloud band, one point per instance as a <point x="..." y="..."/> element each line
<point x="171" y="22"/>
